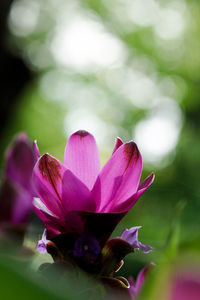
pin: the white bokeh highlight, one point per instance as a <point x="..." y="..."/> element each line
<point x="83" y="43"/>
<point x="170" y="24"/>
<point x="158" y="134"/>
<point x="23" y="17"/>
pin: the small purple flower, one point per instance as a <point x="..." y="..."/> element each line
<point x="41" y="244"/>
<point x="131" y="237"/>
<point x="86" y="246"/>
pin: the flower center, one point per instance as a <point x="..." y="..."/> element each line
<point x="86" y="246"/>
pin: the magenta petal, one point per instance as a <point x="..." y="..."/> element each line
<point x="36" y="151"/>
<point x="146" y="183"/>
<point x="41" y="207"/>
<point x="82" y="157"/>
<point x="22" y="209"/>
<point x="20" y="162"/>
<point x="118" y="143"/>
<point x="15" y="203"/>
<point x="142" y="277"/>
<point x="48" y="180"/>
<point x="186" y="283"/>
<point x="75" y="194"/>
<point x="51" y="221"/>
<point x="119" y="178"/>
<point x="126" y="205"/>
<point x="132" y="290"/>
<point x="135" y="287"/>
<point x="68" y="222"/>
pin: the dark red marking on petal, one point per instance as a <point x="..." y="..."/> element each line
<point x="118" y="143"/>
<point x="130" y="152"/>
<point x="50" y="169"/>
<point x="81" y="133"/>
<point x="129" y="149"/>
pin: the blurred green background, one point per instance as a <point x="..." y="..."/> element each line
<point x="128" y="68"/>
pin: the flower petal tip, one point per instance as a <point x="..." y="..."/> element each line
<point x="118" y="143"/>
<point x="82" y="157"/>
<point x="152" y="176"/>
<point x="82" y="133"/>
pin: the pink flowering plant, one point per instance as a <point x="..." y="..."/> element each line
<point x="17" y="190"/>
<point x="79" y="203"/>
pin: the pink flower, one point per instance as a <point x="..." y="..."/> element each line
<point x="16" y="193"/>
<point x="186" y="284"/>
<point x="135" y="287"/>
<point x="78" y="196"/>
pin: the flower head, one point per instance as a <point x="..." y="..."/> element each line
<point x="16" y="193"/>
<point x="71" y="193"/>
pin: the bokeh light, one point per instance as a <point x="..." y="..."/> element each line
<point x="158" y="134"/>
